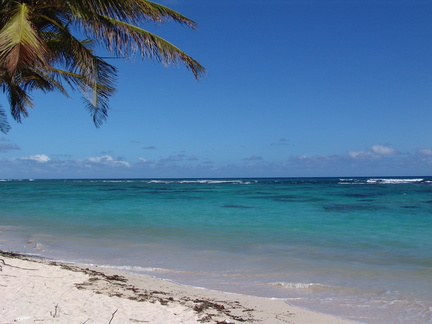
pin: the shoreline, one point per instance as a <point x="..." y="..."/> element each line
<point x="34" y="289"/>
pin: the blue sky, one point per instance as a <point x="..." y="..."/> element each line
<point x="294" y="88"/>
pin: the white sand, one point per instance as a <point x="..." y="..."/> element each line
<point x="40" y="291"/>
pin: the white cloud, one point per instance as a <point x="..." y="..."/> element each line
<point x="360" y="154"/>
<point x="108" y="160"/>
<point x="383" y="150"/>
<point x="375" y="160"/>
<point x="374" y="152"/>
<point x="425" y="151"/>
<point x="41" y="158"/>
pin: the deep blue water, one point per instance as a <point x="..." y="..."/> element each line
<point x="360" y="248"/>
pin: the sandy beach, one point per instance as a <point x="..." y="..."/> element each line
<point x="34" y="290"/>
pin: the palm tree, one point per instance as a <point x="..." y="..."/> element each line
<point x="40" y="48"/>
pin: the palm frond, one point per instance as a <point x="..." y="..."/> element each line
<point x="122" y="38"/>
<point x="98" y="91"/>
<point x="39" y="49"/>
<point x="20" y="44"/>
<point x="4" y="125"/>
<point x="160" y="13"/>
<point x="128" y="10"/>
<point x="90" y="73"/>
<point x="19" y="100"/>
<point x="71" y="78"/>
<point x="39" y="79"/>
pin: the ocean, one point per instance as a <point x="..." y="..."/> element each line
<point x="357" y="248"/>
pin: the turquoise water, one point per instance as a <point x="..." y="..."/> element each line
<point x="359" y="248"/>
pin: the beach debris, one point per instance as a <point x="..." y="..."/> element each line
<point x="210" y="311"/>
<point x="206" y="318"/>
<point x="115" y="278"/>
<point x="204" y="304"/>
<point x="12" y="255"/>
<point x="56" y="312"/>
<point x="112" y="316"/>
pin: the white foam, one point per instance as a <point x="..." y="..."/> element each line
<point x="213" y="181"/>
<point x="114" y="181"/>
<point x="200" y="181"/>
<point x="393" y="181"/>
<point x="298" y="285"/>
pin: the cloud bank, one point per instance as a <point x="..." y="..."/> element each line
<point x="377" y="160"/>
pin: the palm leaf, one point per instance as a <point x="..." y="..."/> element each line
<point x="123" y="38"/>
<point x="19" y="100"/>
<point x="39" y="79"/>
<point x="91" y="74"/>
<point x="127" y="10"/>
<point x="20" y="44"/>
<point x="39" y="51"/>
<point x="157" y="12"/>
<point x="4" y="125"/>
<point x="98" y="91"/>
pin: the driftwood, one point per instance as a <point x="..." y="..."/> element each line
<point x="112" y="316"/>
